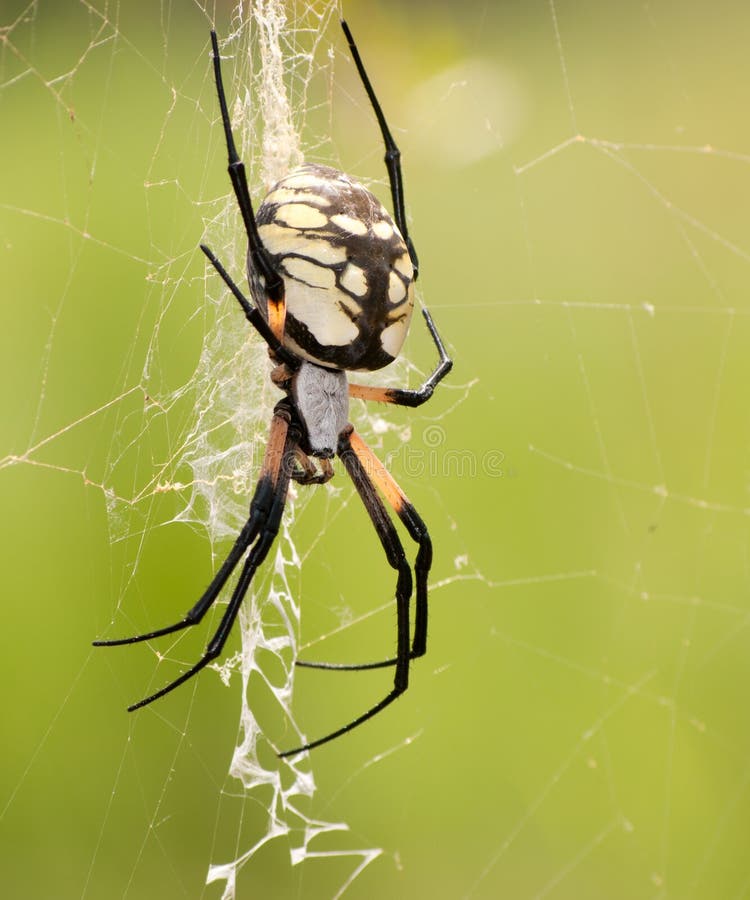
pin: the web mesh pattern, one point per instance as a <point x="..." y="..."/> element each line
<point x="578" y="175"/>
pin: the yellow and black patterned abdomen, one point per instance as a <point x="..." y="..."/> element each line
<point x="346" y="269"/>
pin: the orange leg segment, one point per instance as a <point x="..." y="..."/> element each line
<point x="413" y="523"/>
<point x="277" y="317"/>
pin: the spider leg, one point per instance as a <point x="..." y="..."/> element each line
<point x="262" y="526"/>
<point x="400" y="396"/>
<point x="392" y="153"/>
<point x="414" y="525"/>
<point x="357" y="459"/>
<point x="393" y="166"/>
<point x="196" y="613"/>
<point x="216" y="645"/>
<point x="274" y="284"/>
<point x="252" y="314"/>
<point x="417" y="529"/>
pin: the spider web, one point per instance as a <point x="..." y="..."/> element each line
<point x="578" y="175"/>
<point x="197" y="441"/>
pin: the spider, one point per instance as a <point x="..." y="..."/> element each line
<point x="331" y="276"/>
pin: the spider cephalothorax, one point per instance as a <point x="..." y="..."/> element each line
<point x="332" y="277"/>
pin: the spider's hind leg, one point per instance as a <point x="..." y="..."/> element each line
<point x="258" y="255"/>
<point x="392" y="153"/>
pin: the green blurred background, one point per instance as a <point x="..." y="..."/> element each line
<point x="578" y="179"/>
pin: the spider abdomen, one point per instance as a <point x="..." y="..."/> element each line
<point x="346" y="269"/>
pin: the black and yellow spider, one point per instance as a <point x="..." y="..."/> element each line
<point x="332" y="278"/>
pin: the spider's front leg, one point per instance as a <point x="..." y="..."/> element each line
<point x="257" y="536"/>
<point x="370" y="476"/>
<point x="373" y="471"/>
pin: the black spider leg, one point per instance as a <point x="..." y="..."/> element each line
<point x="417" y="530"/>
<point x="357" y="467"/>
<point x="262" y="526"/>
<point x="392" y="153"/>
<point x="403" y="396"/>
<point x="236" y="168"/>
<point x="252" y="314"/>
<point x="393" y="167"/>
